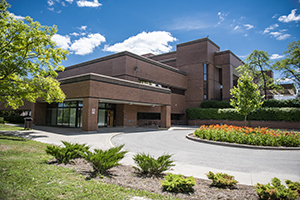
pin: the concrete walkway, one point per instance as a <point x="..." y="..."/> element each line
<point x="103" y="137"/>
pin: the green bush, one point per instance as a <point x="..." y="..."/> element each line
<point x="221" y="179"/>
<point x="177" y="183"/>
<point x="276" y="191"/>
<point x="104" y="160"/>
<point x="215" y="104"/>
<point x="14" y="119"/>
<point x="149" y="165"/>
<point x="295" y="103"/>
<point x="269" y="103"/>
<point x="67" y="153"/>
<point x="267" y="114"/>
<point x="1" y="120"/>
<point x="295" y="186"/>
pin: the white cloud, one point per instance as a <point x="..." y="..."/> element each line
<point x="249" y="26"/>
<point x="63" y="4"/>
<point x="274" y="16"/>
<point x="50" y="3"/>
<point x="222" y="16"/>
<point x="70" y="1"/>
<point x="275" y="34"/>
<point x="280" y="35"/>
<point x="276" y="56"/>
<point x="237" y="27"/>
<point x="272" y="27"/>
<point x="51" y="9"/>
<point x="83" y="27"/>
<point x="283" y="37"/>
<point x="75" y="34"/>
<point x="291" y="17"/>
<point x="87" y="44"/>
<point x="155" y="42"/>
<point x="62" y="41"/>
<point x="246" y="35"/>
<point x="16" y="16"/>
<point x="85" y="3"/>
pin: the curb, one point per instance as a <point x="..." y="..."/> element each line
<point x="194" y="138"/>
<point x="111" y="137"/>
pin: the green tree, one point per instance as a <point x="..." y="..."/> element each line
<point x="246" y="95"/>
<point x="28" y="61"/>
<point x="290" y="65"/>
<point x="257" y="64"/>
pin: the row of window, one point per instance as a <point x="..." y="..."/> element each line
<point x="173" y="90"/>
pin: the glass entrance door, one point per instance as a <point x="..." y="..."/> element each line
<point x="110" y="118"/>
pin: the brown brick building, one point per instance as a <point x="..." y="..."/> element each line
<point x="125" y="89"/>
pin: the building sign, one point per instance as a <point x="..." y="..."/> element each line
<point x="93" y="111"/>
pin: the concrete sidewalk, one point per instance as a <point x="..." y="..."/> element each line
<point x="102" y="140"/>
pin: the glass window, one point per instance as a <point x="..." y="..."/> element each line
<point x="53" y="116"/>
<point x="70" y="104"/>
<point x="66" y="116"/>
<point x="101" y="105"/>
<point x="60" y="116"/>
<point x="72" y="117"/>
<point x="101" y="117"/>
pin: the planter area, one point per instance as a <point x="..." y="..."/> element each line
<point x="252" y="123"/>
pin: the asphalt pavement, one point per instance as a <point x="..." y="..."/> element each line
<point x="249" y="166"/>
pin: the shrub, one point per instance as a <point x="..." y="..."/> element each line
<point x="104" y="160"/>
<point x="152" y="166"/>
<point x="293" y="186"/>
<point x="247" y="135"/>
<point x="268" y="114"/>
<point x="67" y="153"/>
<point x="282" y="103"/>
<point x="221" y="179"/>
<point x="177" y="183"/>
<point x="1" y="120"/>
<point x="215" y="104"/>
<point x="275" y="191"/>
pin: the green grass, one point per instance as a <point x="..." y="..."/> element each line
<point x="4" y="127"/>
<point x="24" y="174"/>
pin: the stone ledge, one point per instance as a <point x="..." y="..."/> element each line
<point x="191" y="136"/>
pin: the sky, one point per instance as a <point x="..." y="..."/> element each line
<point x="91" y="29"/>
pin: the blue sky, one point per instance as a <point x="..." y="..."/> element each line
<point x="91" y="29"/>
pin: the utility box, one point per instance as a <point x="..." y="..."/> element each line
<point x="27" y="122"/>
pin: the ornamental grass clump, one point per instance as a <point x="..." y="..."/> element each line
<point x="177" y="183"/>
<point x="67" y="153"/>
<point x="151" y="166"/>
<point x="248" y="135"/>
<point x="221" y="179"/>
<point x="277" y="191"/>
<point x="104" y="160"/>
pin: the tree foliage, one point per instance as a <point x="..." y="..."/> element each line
<point x="290" y="65"/>
<point x="28" y="61"/>
<point x="257" y="64"/>
<point x="246" y="95"/>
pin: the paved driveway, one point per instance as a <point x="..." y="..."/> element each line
<point x="248" y="165"/>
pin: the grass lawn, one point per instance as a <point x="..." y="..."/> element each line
<point x="24" y="174"/>
<point x="4" y="127"/>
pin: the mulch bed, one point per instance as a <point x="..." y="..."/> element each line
<point x="126" y="176"/>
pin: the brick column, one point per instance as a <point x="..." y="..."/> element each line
<point x="90" y="114"/>
<point x="165" y="117"/>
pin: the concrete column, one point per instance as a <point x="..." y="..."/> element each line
<point x="90" y="114"/>
<point x="227" y="81"/>
<point x="165" y="117"/>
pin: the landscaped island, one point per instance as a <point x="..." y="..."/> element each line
<point x="248" y="135"/>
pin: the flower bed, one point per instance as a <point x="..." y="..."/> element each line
<point x="250" y="136"/>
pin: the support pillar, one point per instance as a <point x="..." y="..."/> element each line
<point x="90" y="115"/>
<point x="165" y="117"/>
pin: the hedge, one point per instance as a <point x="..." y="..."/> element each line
<point x="271" y="103"/>
<point x="14" y="119"/>
<point x="267" y="114"/>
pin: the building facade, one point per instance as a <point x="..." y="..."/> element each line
<point x="125" y="89"/>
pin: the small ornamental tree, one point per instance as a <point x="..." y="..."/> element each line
<point x="246" y="96"/>
<point x="29" y="61"/>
